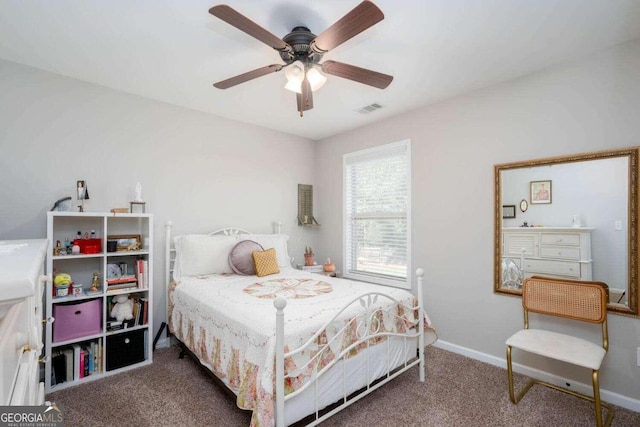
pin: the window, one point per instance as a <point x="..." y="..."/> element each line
<point x="377" y="220"/>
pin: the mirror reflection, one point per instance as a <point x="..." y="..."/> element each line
<point x="577" y="224"/>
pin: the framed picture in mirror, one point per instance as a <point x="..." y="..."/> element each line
<point x="540" y="192"/>
<point x="508" y="211"/>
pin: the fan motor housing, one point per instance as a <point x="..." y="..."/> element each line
<point x="300" y="39"/>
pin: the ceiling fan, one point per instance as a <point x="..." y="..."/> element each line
<point x="301" y="51"/>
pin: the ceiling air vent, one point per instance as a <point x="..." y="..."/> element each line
<point x="370" y="108"/>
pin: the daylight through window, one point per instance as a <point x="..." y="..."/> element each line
<point x="377" y="214"/>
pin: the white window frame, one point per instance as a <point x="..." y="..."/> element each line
<point x="404" y="283"/>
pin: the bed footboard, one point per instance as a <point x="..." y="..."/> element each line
<point x="367" y="329"/>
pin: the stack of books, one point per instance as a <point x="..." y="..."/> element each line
<point x="76" y="362"/>
<point x="122" y="283"/>
<point x="313" y="268"/>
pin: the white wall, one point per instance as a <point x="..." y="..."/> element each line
<point x="197" y="170"/>
<point x="588" y="105"/>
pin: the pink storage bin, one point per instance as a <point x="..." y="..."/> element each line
<point x="77" y="320"/>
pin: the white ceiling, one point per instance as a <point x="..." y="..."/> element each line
<point x="173" y="51"/>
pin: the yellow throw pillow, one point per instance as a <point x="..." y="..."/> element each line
<point x="266" y="262"/>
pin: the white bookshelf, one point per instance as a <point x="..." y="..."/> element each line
<point x="113" y="351"/>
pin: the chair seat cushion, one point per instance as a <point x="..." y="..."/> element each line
<point x="559" y="346"/>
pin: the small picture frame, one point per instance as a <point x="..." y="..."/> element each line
<point x="508" y="211"/>
<point x="540" y="192"/>
<point x="126" y="242"/>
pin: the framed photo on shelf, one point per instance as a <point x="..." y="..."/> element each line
<point x="126" y="242"/>
<point x="540" y="192"/>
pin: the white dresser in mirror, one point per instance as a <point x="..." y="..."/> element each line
<point x="21" y="286"/>
<point x="563" y="252"/>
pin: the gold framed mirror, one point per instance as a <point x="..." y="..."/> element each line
<point x="588" y="229"/>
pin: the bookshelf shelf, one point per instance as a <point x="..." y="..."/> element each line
<point x="100" y="351"/>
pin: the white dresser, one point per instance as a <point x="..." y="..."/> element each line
<point x="563" y="252"/>
<point x="21" y="286"/>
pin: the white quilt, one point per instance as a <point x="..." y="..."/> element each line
<point x="229" y="322"/>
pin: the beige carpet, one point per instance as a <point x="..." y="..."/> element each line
<point x="458" y="392"/>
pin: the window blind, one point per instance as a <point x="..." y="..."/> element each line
<point x="377" y="207"/>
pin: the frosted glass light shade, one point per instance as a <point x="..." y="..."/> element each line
<point x="294" y="86"/>
<point x="295" y="74"/>
<point x="295" y="71"/>
<point x="316" y="79"/>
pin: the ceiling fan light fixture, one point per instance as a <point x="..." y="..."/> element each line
<point x="294" y="86"/>
<point x="295" y="71"/>
<point x="316" y="79"/>
<point x="302" y="52"/>
<point x="294" y="74"/>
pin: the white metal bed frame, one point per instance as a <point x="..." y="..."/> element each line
<point x="366" y="331"/>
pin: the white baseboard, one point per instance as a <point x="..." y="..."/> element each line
<point x="605" y="395"/>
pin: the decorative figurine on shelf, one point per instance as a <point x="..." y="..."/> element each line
<point x="137" y="205"/>
<point x="308" y="256"/>
<point x="123" y="308"/>
<point x="575" y="221"/>
<point x="58" y="248"/>
<point x="329" y="267"/>
<point x="138" y="193"/>
<point x="95" y="283"/>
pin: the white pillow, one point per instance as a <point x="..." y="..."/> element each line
<point x="276" y="241"/>
<point x="202" y="254"/>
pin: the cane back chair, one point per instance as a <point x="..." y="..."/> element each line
<point x="577" y="300"/>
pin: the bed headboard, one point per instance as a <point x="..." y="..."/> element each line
<point x="170" y="252"/>
<point x="229" y="232"/>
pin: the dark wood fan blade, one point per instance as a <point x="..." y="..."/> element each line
<point x="241" y="78"/>
<point x="353" y="23"/>
<point x="241" y="22"/>
<point x="361" y="75"/>
<point x="305" y="99"/>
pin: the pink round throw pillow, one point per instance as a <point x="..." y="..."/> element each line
<point x="240" y="259"/>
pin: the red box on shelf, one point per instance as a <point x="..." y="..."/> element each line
<point x="89" y="246"/>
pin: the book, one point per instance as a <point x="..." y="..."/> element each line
<point x="137" y="311"/>
<point x="145" y="310"/>
<point x="80" y="363"/>
<point x="92" y="352"/>
<point x="68" y="352"/>
<point x="87" y="360"/>
<point x="142" y="273"/>
<point x="123" y="279"/>
<point x="313" y="268"/>
<point x="121" y="287"/>
<point x="76" y="361"/>
<point x="59" y="365"/>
